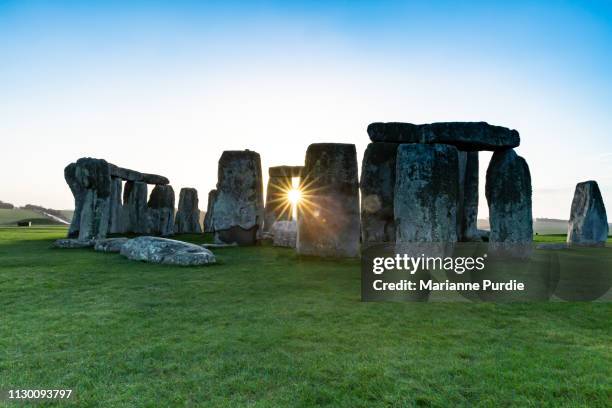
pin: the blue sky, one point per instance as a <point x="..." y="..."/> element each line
<point x="167" y="86"/>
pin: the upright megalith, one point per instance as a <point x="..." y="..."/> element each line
<point x="508" y="191"/>
<point x="116" y="225"/>
<point x="467" y="206"/>
<point x="377" y="193"/>
<point x="328" y="224"/>
<point x="278" y="208"/>
<point x="208" y="217"/>
<point x="238" y="210"/>
<point x="90" y="182"/>
<point x="468" y="136"/>
<point x="160" y="209"/>
<point x="135" y="212"/>
<point x="426" y="193"/>
<point x="588" y="224"/>
<point x="188" y="214"/>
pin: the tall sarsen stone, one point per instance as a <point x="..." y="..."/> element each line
<point x="188" y="214"/>
<point x="588" y="224"/>
<point x="328" y="224"/>
<point x="160" y="210"/>
<point x="238" y="210"/>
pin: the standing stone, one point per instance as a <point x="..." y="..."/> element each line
<point x="238" y="209"/>
<point x="116" y="225"/>
<point x="426" y="192"/>
<point x="90" y="182"/>
<point x="467" y="206"/>
<point x="278" y="208"/>
<point x="588" y="225"/>
<point x="377" y="193"/>
<point x="508" y="191"/>
<point x="208" y="224"/>
<point x="328" y="225"/>
<point x="188" y="214"/>
<point x="135" y="207"/>
<point x="161" y="210"/>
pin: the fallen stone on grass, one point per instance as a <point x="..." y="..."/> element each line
<point x="166" y="251"/>
<point x="109" y="244"/>
<point x="72" y="243"/>
<point x="219" y="245"/>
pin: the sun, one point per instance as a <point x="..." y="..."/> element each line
<point x="293" y="196"/>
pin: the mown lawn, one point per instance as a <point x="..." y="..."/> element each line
<point x="265" y="328"/>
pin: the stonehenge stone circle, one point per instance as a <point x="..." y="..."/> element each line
<point x="377" y="193"/>
<point x="188" y="214"/>
<point x="329" y="225"/>
<point x="238" y="210"/>
<point x="588" y="224"/>
<point x="90" y="182"/>
<point x="166" y="251"/>
<point x="468" y="136"/>
<point x="208" y="217"/>
<point x="426" y="191"/>
<point x="160" y="210"/>
<point x="135" y="211"/>
<point x="508" y="192"/>
<point x="280" y="180"/>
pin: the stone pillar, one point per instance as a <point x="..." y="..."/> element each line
<point x="116" y="225"/>
<point x="238" y="209"/>
<point x="328" y="224"/>
<point x="278" y="208"/>
<point x="377" y="193"/>
<point x="588" y="224"/>
<point x="135" y="207"/>
<point x="90" y="182"/>
<point x="188" y="214"/>
<point x="426" y="194"/>
<point x="508" y="191"/>
<point x="467" y="206"/>
<point x="161" y="210"/>
<point x="208" y="217"/>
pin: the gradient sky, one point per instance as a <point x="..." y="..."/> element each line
<point x="165" y="87"/>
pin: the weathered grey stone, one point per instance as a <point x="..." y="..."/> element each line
<point x="109" y="244"/>
<point x="284" y="234"/>
<point x="468" y="136"/>
<point x="467" y="205"/>
<point x="161" y="210"/>
<point x="116" y="225"/>
<point x="90" y="182"/>
<point x="508" y="191"/>
<point x="166" y="251"/>
<point x="208" y="217"/>
<point x="426" y="192"/>
<point x="188" y="215"/>
<point x="135" y="207"/>
<point x="238" y="210"/>
<point x="132" y="175"/>
<point x="377" y="193"/>
<point x="73" y="243"/>
<point x="329" y="224"/>
<point x="588" y="224"/>
<point x="278" y="208"/>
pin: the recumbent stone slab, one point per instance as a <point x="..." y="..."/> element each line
<point x="166" y="251"/>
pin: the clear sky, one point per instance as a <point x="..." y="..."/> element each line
<point x="165" y="87"/>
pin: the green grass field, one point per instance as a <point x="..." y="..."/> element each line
<point x="10" y="217"/>
<point x="266" y="328"/>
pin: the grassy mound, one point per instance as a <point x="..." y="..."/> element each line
<point x="267" y="328"/>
